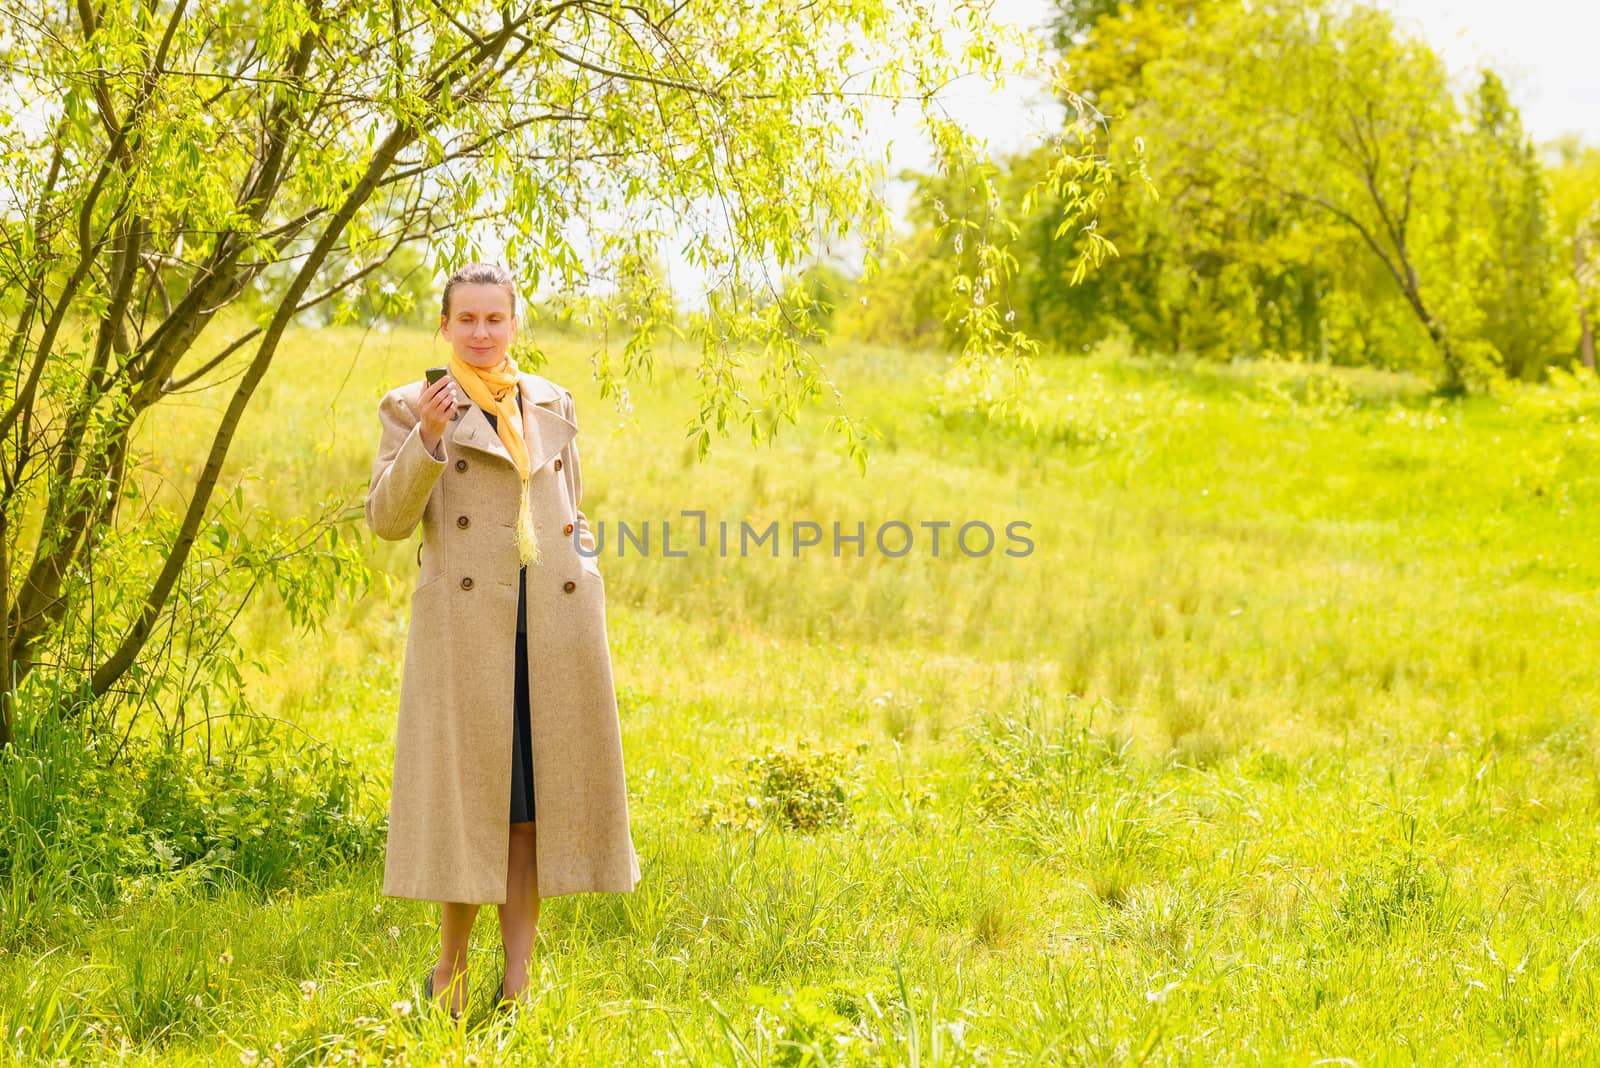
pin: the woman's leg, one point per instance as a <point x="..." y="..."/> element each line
<point x="450" y="974"/>
<point x="519" y="916"/>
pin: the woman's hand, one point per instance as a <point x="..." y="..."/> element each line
<point x="438" y="401"/>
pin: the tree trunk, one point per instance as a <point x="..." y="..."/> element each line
<point x="7" y="683"/>
<point x="1586" y="338"/>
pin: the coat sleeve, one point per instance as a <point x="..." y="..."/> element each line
<point x="404" y="473"/>
<point x="575" y="485"/>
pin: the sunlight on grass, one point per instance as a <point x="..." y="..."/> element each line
<point x="1283" y="733"/>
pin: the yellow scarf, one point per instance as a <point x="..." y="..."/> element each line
<point x="494" y="389"/>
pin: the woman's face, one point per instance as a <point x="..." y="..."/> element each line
<point x="481" y="325"/>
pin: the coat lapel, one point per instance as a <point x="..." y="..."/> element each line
<point x="544" y="429"/>
<point x="474" y="431"/>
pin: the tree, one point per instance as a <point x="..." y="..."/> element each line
<point x="1525" y="290"/>
<point x="173" y="157"/>
<point x="1218" y="263"/>
<point x="1330" y="108"/>
<point x="1323" y="194"/>
<point x="1575" y="182"/>
<point x="1071" y="20"/>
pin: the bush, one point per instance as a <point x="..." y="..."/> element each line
<point x="263" y="809"/>
<point x="80" y="832"/>
<point x="805" y="790"/>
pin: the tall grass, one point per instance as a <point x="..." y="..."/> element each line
<point x="1278" y="747"/>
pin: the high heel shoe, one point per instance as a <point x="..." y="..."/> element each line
<point x="500" y="1002"/>
<point x="427" y="992"/>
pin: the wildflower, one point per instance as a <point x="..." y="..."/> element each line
<point x="1161" y="995"/>
<point x="308" y="989"/>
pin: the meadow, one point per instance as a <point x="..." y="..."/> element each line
<point x="1279" y="746"/>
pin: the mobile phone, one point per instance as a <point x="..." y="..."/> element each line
<point x="436" y="373"/>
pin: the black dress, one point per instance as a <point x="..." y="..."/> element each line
<point x="522" y="740"/>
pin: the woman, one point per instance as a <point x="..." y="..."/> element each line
<point x="505" y="606"/>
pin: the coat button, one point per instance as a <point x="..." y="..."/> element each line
<point x="462" y="521"/>
<point x="567" y="529"/>
<point x="466" y="583"/>
<point x="569" y="585"/>
<point x="461" y="465"/>
<point x="558" y="463"/>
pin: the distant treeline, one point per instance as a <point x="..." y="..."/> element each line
<point x="1317" y="189"/>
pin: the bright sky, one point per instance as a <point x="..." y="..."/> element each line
<point x="1544" y="49"/>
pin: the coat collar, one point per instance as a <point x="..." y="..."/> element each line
<point x="544" y="429"/>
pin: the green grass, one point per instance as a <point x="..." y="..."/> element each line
<point x="1278" y="747"/>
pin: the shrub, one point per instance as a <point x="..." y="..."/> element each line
<point x="804" y="789"/>
<point x="80" y="833"/>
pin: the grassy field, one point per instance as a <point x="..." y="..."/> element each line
<point x="1279" y="747"/>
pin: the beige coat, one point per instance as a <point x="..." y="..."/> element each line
<point x="450" y="808"/>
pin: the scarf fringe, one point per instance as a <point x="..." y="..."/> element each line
<point x="527" y="540"/>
